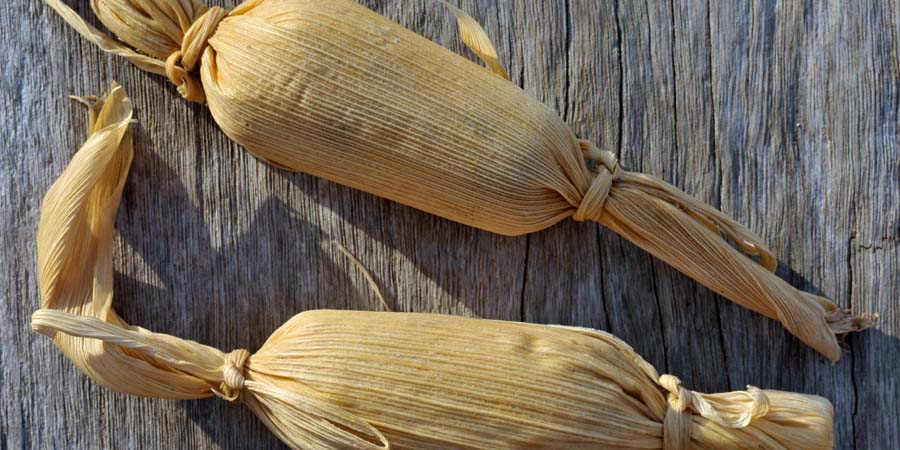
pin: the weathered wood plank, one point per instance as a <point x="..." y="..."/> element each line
<point x="783" y="174"/>
<point x="784" y="114"/>
<point x="864" y="120"/>
<point x="563" y="270"/>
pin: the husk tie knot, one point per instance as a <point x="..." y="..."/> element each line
<point x="181" y="64"/>
<point x="608" y="171"/>
<point x="678" y="421"/>
<point x="233" y="375"/>
<point x="736" y="409"/>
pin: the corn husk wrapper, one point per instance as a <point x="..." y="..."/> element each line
<point x="338" y="91"/>
<point x="368" y="380"/>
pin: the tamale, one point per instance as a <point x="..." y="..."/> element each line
<point x="371" y="380"/>
<point x="338" y="91"/>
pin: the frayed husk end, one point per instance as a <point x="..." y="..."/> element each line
<point x="789" y="421"/>
<point x="75" y="264"/>
<point x="701" y="243"/>
<point x="843" y="321"/>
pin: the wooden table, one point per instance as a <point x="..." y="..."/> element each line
<point x="782" y="114"/>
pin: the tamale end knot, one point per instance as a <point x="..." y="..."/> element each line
<point x="608" y="170"/>
<point x="180" y="65"/>
<point x="233" y="375"/>
<point x="678" y="421"/>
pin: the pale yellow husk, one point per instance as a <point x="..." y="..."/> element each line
<point x="336" y="90"/>
<point x="356" y="380"/>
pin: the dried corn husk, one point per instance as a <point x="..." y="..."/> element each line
<point x="336" y="90"/>
<point x="366" y="380"/>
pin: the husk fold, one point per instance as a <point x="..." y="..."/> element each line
<point x="338" y="91"/>
<point x="365" y="380"/>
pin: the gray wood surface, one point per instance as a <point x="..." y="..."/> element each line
<point x="783" y="114"/>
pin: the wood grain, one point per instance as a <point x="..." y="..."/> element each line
<point x="783" y="114"/>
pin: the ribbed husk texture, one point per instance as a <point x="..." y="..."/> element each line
<point x="358" y="380"/>
<point x="336" y="90"/>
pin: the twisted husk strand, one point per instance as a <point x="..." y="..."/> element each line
<point x="338" y="91"/>
<point x="358" y="380"/>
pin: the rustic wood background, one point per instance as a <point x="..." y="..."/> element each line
<point x="783" y="114"/>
